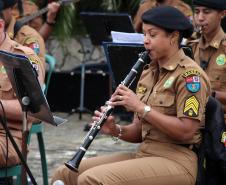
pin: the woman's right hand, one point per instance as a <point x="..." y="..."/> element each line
<point x="109" y="127"/>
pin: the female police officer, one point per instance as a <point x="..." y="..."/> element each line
<point x="169" y="108"/>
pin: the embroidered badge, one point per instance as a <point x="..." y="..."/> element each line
<point x="221" y="60"/>
<point x="141" y="89"/>
<point x="223" y="138"/>
<point x="191" y="72"/>
<point x="35" y="47"/>
<point x="33" y="44"/>
<point x="2" y="70"/>
<point x="191" y="107"/>
<point x="193" y="83"/>
<point x="34" y="63"/>
<point x="169" y="82"/>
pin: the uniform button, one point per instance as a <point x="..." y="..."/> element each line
<point x="160" y="102"/>
<point x="218" y="78"/>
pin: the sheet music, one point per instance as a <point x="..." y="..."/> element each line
<point x="123" y="37"/>
<point x="23" y="78"/>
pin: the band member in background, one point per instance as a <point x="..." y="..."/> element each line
<point x="168" y="106"/>
<point x="8" y="155"/>
<point x="148" y="4"/>
<point x="210" y="49"/>
<point x="26" y="35"/>
<point x="28" y="7"/>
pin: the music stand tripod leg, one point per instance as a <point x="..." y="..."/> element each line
<point x="81" y="109"/>
<point x="25" y="168"/>
<point x="25" y="102"/>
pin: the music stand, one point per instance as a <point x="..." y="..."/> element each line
<point x="23" y="78"/>
<point x="99" y="27"/>
<point x="120" y="59"/>
<point x="122" y="56"/>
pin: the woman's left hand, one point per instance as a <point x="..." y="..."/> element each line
<point x="127" y="98"/>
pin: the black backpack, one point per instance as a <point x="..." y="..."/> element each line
<point x="212" y="151"/>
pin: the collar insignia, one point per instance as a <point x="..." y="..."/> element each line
<point x="141" y="89"/>
<point x="169" y="82"/>
<point x="2" y="70"/>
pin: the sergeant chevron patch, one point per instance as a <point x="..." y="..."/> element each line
<point x="191" y="107"/>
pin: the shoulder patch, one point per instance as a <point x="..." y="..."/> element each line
<point x="191" y="107"/>
<point x="191" y="72"/>
<point x="33" y="44"/>
<point x="193" y="83"/>
<point x="192" y="79"/>
<point x="34" y="62"/>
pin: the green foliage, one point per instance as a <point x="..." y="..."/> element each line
<point x="69" y="23"/>
<point x="65" y="23"/>
<point x="128" y="6"/>
<point x="188" y="2"/>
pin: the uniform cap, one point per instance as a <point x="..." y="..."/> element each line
<point x="214" y="4"/>
<point x="169" y="18"/>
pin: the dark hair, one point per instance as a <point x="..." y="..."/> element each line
<point x="1" y="15"/>
<point x="180" y="35"/>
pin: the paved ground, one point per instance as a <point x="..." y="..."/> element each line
<point x="61" y="143"/>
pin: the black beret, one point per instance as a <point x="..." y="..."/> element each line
<point x="168" y="18"/>
<point x="7" y="3"/>
<point x="214" y="4"/>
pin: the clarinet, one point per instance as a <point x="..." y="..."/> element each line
<point x="73" y="164"/>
